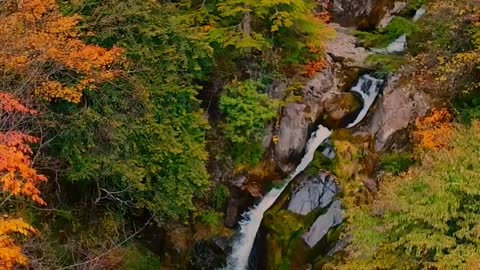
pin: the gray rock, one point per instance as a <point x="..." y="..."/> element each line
<point x="358" y="13"/>
<point x="342" y="48"/>
<point x="399" y="106"/>
<point x="324" y="223"/>
<point x="296" y="118"/>
<point x="292" y="135"/>
<point x="312" y="193"/>
<point x="390" y="14"/>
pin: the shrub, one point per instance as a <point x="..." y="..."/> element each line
<point x="394" y="30"/>
<point x="220" y="197"/>
<point x="427" y="219"/>
<point x="396" y="163"/>
<point x="247" y="114"/>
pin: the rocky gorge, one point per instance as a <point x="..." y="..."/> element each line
<point x="301" y="228"/>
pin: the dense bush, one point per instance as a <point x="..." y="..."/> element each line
<point x="426" y="219"/>
<point x="247" y="114"/>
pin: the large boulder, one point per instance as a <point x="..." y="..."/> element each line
<point x="300" y="224"/>
<point x="297" y="118"/>
<point x="362" y="14"/>
<point x="340" y="108"/>
<point x="343" y="48"/>
<point x="399" y="106"/>
<point x="292" y="135"/>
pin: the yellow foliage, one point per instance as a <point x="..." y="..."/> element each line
<point x="11" y="254"/>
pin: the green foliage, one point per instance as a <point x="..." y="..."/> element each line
<point x="384" y="37"/>
<point x="319" y="162"/>
<point x="427" y="219"/>
<point x="443" y="28"/>
<point x="211" y="218"/>
<point x="249" y="24"/>
<point x="386" y="63"/>
<point x="144" y="136"/>
<point x="396" y="163"/>
<point x="415" y="4"/>
<point x="247" y="114"/>
<point x="467" y="108"/>
<point x="139" y="258"/>
<point x="220" y="197"/>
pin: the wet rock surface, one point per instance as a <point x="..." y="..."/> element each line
<point x="324" y="223"/>
<point x="211" y="254"/>
<point x="296" y="119"/>
<point x="340" y="107"/>
<point x="238" y="203"/>
<point x="399" y="106"/>
<point x="302" y="217"/>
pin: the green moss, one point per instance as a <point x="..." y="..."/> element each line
<point x="383" y="38"/>
<point x="284" y="228"/>
<point x="386" y="63"/>
<point x="318" y="163"/>
<point x="347" y="161"/>
<point x="396" y="163"/>
<point x="211" y="218"/>
<point x="220" y="197"/>
<point x="139" y="258"/>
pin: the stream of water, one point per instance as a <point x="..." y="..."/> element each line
<point x="368" y="87"/>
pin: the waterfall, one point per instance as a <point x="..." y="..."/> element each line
<point x="368" y="87"/>
<point x="253" y="218"/>
<point x="399" y="45"/>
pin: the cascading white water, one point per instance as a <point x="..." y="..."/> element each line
<point x="253" y="218"/>
<point x="399" y="45"/>
<point x="368" y="87"/>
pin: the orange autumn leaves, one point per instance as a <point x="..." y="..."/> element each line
<point x="17" y="178"/>
<point x="41" y="57"/>
<point x="435" y="131"/>
<point x="40" y="44"/>
<point x="10" y="253"/>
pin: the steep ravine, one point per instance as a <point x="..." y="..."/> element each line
<point x="295" y="224"/>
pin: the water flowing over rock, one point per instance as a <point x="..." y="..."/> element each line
<point x="368" y="88"/>
<point x="296" y="118"/>
<point x="253" y="218"/>
<point x="399" y="106"/>
<point x="399" y="45"/>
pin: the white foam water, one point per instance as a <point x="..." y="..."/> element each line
<point x="252" y="219"/>
<point x="368" y="87"/>
<point x="400" y="45"/>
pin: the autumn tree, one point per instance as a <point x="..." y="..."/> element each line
<point x="17" y="177"/>
<point x="41" y="45"/>
<point x="425" y="219"/>
<point x="434" y="131"/>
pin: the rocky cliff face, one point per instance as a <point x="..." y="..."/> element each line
<point x="362" y="14"/>
<point x="399" y="106"/>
